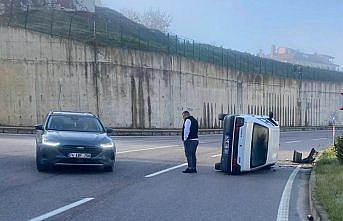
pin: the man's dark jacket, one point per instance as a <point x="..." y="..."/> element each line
<point x="193" y="134"/>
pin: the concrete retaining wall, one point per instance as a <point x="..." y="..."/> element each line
<point x="134" y="89"/>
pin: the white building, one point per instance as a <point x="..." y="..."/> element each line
<point x="289" y="55"/>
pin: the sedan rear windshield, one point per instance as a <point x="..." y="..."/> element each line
<point x="74" y="123"/>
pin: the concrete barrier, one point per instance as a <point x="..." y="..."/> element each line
<point x="17" y="130"/>
<point x="153" y="132"/>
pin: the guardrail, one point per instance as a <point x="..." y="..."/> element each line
<point x="155" y="132"/>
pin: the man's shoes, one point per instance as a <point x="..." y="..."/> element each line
<point x="189" y="171"/>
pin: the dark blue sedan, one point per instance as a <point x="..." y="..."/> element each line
<point x="73" y="138"/>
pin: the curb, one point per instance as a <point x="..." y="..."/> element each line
<point x="117" y="131"/>
<point x="317" y="211"/>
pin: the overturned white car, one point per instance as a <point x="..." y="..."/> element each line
<point x="250" y="142"/>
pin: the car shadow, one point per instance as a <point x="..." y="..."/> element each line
<point x="75" y="170"/>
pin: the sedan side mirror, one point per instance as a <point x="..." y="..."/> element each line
<point x="109" y="130"/>
<point x="39" y="127"/>
<point x="221" y="116"/>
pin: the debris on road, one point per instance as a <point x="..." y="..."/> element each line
<point x="297" y="157"/>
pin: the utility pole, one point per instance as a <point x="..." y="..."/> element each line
<point x="298" y="70"/>
<point x="95" y="66"/>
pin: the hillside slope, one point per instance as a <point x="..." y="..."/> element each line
<point x="115" y="30"/>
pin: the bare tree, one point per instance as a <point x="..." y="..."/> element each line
<point x="132" y="15"/>
<point x="151" y="18"/>
<point x="156" y="19"/>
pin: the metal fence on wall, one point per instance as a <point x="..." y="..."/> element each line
<point x="109" y="28"/>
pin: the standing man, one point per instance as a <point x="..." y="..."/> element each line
<point x="190" y="140"/>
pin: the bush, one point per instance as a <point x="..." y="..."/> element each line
<point x="339" y="148"/>
<point x="328" y="187"/>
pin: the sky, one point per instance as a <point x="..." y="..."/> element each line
<point x="250" y="25"/>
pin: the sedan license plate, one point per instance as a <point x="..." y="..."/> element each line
<point x="80" y="155"/>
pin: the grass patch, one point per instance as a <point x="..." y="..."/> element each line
<point x="329" y="184"/>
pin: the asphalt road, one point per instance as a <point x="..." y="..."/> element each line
<point x="127" y="194"/>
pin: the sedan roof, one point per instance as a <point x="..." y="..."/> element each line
<point x="72" y="113"/>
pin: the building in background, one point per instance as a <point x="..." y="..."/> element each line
<point x="293" y="56"/>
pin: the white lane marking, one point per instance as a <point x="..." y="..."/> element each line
<point x="282" y="214"/>
<point x="156" y="148"/>
<point x="294" y="141"/>
<point x="61" y="210"/>
<point x="297" y="141"/>
<point x="320" y="139"/>
<point x="166" y="170"/>
<point x="145" y="149"/>
<point x="217" y="155"/>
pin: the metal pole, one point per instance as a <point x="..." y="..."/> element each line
<point x="52" y="18"/>
<point x="235" y="61"/>
<point x="184" y="47"/>
<point x="299" y="70"/>
<point x="27" y="15"/>
<point x="106" y="29"/>
<point x="121" y="36"/>
<point x="199" y="52"/>
<point x="176" y="41"/>
<point x="213" y="55"/>
<point x="333" y="133"/>
<point x="240" y="63"/>
<point x="94" y="28"/>
<point x="168" y="44"/>
<point x="193" y="49"/>
<point x="272" y="68"/>
<point x="95" y="66"/>
<point x="208" y="53"/>
<point x="11" y="14"/>
<point x="260" y="66"/>
<point x="71" y="21"/>
<point x="90" y="26"/>
<point x="222" y="56"/>
<point x="139" y="39"/>
<point x="248" y="62"/>
<point x="228" y="58"/>
<point x="333" y="118"/>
